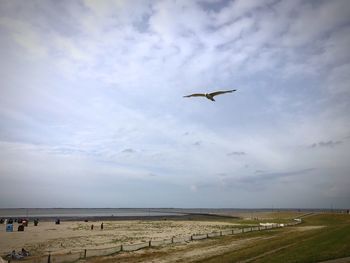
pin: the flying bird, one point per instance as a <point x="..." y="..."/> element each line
<point x="210" y="96"/>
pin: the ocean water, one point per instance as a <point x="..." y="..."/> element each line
<point x="126" y="212"/>
<point x="84" y="212"/>
<point x="106" y="212"/>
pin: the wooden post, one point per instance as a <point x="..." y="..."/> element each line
<point x="149" y="243"/>
<point x="84" y="253"/>
<point x="49" y="259"/>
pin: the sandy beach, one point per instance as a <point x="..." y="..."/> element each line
<point x="77" y="235"/>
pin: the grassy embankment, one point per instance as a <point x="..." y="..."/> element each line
<point x="304" y="243"/>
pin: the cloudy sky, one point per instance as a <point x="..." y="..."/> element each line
<point x="92" y="112"/>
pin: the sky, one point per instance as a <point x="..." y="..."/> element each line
<point x="92" y="112"/>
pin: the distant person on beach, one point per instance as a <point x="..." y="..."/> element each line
<point x="102" y="226"/>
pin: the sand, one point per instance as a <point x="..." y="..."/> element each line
<point x="77" y="235"/>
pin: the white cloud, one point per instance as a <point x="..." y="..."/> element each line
<point x="315" y="20"/>
<point x="339" y="79"/>
<point x="24" y="35"/>
<point x="237" y="9"/>
<point x="100" y="78"/>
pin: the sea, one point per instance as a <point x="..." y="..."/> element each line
<point x="119" y="212"/>
<point x="83" y="212"/>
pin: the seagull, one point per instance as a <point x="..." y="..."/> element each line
<point x="209" y="96"/>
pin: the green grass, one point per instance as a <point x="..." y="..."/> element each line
<point x="330" y="242"/>
<point x="290" y="245"/>
<point x="327" y="219"/>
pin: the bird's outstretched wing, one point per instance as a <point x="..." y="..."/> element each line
<point x="221" y="92"/>
<point x="195" y="95"/>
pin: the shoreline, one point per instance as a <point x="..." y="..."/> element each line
<point x="188" y="216"/>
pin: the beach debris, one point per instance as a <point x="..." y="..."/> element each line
<point x="24" y="252"/>
<point x="14" y="255"/>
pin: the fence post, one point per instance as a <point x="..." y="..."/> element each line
<point x="84" y="253"/>
<point x="220" y="233"/>
<point x="49" y="259"/>
<point x="149" y="243"/>
<point x="121" y="247"/>
<point x="172" y="240"/>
